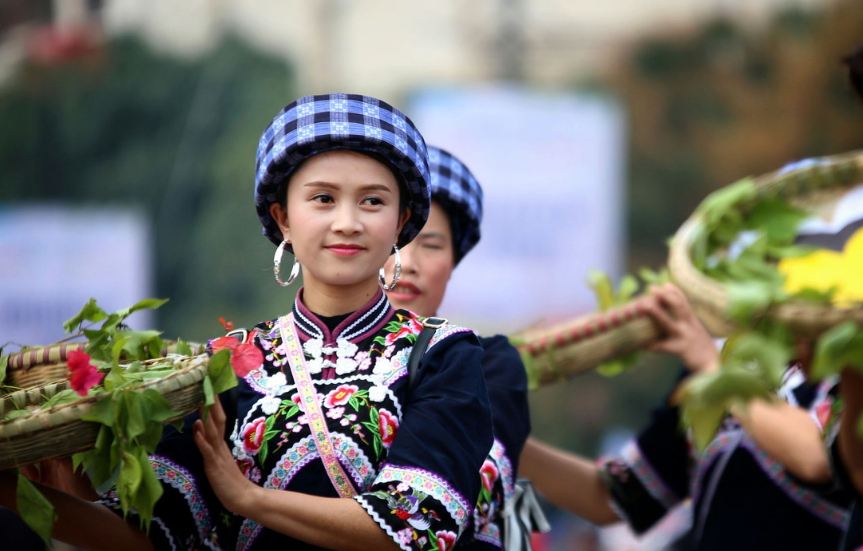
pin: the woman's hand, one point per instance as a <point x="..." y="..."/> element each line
<point x="685" y="337"/>
<point x="232" y="488"/>
<point x="59" y="474"/>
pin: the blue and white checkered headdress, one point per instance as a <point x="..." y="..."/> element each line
<point x="459" y="193"/>
<point x="314" y="124"/>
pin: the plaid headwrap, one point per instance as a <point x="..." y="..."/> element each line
<point x="314" y="124"/>
<point x="459" y="193"/>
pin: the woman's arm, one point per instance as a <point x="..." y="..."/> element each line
<point x="850" y="444"/>
<point x="787" y="433"/>
<point x="333" y="523"/>
<point x="569" y="481"/>
<point x="79" y="522"/>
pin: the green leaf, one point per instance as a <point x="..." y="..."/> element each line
<point x="836" y="349"/>
<point x="747" y="298"/>
<point x="146" y="304"/>
<point x="90" y="312"/>
<point x="183" y="348"/>
<point x="209" y="399"/>
<point x="221" y="373"/>
<point x="158" y="408"/>
<point x="778" y="218"/>
<point x="128" y="481"/>
<point x="4" y="362"/>
<point x="149" y="490"/>
<point x="601" y="285"/>
<point x="704" y="421"/>
<point x="35" y="509"/>
<point x="101" y="412"/>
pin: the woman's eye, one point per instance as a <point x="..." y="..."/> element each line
<point x="374" y="201"/>
<point x="433" y="246"/>
<point x="323" y="198"/>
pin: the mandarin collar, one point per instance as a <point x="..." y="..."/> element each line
<point x="363" y="323"/>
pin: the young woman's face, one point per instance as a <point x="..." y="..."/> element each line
<point x="342" y="217"/>
<point x="427" y="263"/>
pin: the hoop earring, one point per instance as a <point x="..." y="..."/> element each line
<point x="382" y="276"/>
<point x="277" y="263"/>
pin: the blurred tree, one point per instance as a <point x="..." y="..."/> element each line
<point x="711" y="105"/>
<point x="176" y="138"/>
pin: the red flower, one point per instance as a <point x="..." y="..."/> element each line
<point x="253" y="435"/>
<point x="489" y="474"/>
<point x="340" y="396"/>
<point x="83" y="375"/>
<point x="445" y="540"/>
<point x="388" y="426"/>
<point x="245" y="356"/>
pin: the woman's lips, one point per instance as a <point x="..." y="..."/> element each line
<point x="345" y="250"/>
<point x="405" y="292"/>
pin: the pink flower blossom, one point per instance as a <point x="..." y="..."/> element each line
<point x="83" y="375"/>
<point x="388" y="426"/>
<point x="445" y="540"/>
<point x="253" y="435"/>
<point x="340" y="396"/>
<point x="489" y="474"/>
<point x="335" y="413"/>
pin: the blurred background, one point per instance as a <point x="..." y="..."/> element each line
<point x="128" y="131"/>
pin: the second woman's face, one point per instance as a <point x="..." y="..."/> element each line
<point x="427" y="264"/>
<point x="342" y="217"/>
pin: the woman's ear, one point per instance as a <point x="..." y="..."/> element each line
<point x="403" y="219"/>
<point x="280" y="215"/>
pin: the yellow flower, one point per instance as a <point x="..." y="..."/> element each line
<point x="823" y="269"/>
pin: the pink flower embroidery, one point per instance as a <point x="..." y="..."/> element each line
<point x="489" y="474"/>
<point x="445" y="540"/>
<point x="410" y="327"/>
<point x="388" y="426"/>
<point x="340" y="396"/>
<point x="253" y="435"/>
<point x="823" y="411"/>
<point x="83" y="375"/>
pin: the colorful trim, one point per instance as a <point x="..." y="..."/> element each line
<point x="808" y="499"/>
<point x="432" y="485"/>
<point x="445" y="332"/>
<point x="309" y="397"/>
<point x="181" y="480"/>
<point x="382" y="523"/>
<point x="648" y="476"/>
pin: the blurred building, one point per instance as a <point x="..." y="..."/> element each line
<point x="384" y="48"/>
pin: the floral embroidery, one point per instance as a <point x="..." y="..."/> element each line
<point x="181" y="480"/>
<point x="340" y="396"/>
<point x="388" y="426"/>
<point x="253" y="435"/>
<point x="489" y="473"/>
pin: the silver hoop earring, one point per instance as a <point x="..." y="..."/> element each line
<point x="382" y="277"/>
<point x="277" y="263"/>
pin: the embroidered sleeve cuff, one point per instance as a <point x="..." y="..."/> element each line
<point x="639" y="494"/>
<point x="418" y="509"/>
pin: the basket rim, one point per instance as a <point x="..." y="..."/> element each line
<point x="713" y="294"/>
<point x="46" y="416"/>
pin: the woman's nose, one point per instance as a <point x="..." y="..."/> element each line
<point x="346" y="220"/>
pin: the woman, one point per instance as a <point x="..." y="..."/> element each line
<point x="325" y="449"/>
<point x="452" y="230"/>
<point x="763" y="483"/>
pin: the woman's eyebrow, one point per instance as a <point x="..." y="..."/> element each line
<point x="364" y="187"/>
<point x="432" y="235"/>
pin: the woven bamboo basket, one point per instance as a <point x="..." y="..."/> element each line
<point x="59" y="431"/>
<point x="815" y="189"/>
<point x="40" y="365"/>
<point x="573" y="347"/>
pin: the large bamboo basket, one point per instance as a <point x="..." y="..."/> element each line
<point x="42" y="365"/>
<point x="59" y="431"/>
<point x="815" y="189"/>
<point x="573" y="347"/>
